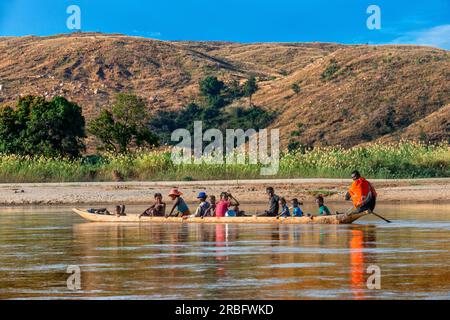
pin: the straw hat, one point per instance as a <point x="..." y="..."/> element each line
<point x="175" y="192"/>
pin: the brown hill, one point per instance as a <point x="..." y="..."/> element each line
<point x="374" y="91"/>
<point x="348" y="94"/>
<point x="431" y="128"/>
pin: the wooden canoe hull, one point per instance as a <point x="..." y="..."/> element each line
<point x="335" y="219"/>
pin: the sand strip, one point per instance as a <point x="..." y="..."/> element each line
<point x="420" y="190"/>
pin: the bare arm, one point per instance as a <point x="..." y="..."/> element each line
<point x="235" y="203"/>
<point x="283" y="211"/>
<point x="174" y="206"/>
<point x="368" y="198"/>
<point x="348" y="196"/>
<point x="143" y="213"/>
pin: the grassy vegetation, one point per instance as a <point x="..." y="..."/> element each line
<point x="403" y="160"/>
<point x="331" y="71"/>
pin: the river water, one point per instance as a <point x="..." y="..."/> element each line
<point x="133" y="261"/>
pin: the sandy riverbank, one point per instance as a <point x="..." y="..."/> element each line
<point x="420" y="190"/>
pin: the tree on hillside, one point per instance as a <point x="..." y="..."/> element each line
<point x="250" y="88"/>
<point x="124" y="126"/>
<point x="39" y="127"/>
<point x="211" y="88"/>
<point x="234" y="89"/>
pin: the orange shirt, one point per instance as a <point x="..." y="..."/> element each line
<point x="360" y="190"/>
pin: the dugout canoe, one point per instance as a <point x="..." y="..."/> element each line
<point x="133" y="218"/>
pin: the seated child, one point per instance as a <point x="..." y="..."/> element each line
<point x="296" y="210"/>
<point x="120" y="210"/>
<point x="158" y="209"/>
<point x="323" y="209"/>
<point x="203" y="207"/>
<point x="180" y="205"/>
<point x="225" y="203"/>
<point x="284" y="209"/>
<point x="102" y="211"/>
<point x="211" y="212"/>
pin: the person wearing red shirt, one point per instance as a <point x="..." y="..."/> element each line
<point x="224" y="203"/>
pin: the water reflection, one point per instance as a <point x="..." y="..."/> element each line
<point x="357" y="263"/>
<point x="199" y="261"/>
<point x="305" y="256"/>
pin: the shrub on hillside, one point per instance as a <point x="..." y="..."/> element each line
<point x="331" y="71"/>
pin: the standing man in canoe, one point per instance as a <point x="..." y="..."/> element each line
<point x="274" y="205"/>
<point x="362" y="194"/>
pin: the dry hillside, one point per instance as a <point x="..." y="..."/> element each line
<point x="348" y="94"/>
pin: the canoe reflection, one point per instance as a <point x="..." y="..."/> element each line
<point x="283" y="258"/>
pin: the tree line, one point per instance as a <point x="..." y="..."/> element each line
<point x="57" y="128"/>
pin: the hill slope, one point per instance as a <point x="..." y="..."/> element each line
<point x="348" y="94"/>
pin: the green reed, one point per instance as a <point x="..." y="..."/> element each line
<point x="398" y="160"/>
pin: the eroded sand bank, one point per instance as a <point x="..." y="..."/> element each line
<point x="421" y="190"/>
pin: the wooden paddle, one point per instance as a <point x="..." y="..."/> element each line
<point x="380" y="217"/>
<point x="370" y="212"/>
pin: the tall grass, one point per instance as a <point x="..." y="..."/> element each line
<point x="400" y="160"/>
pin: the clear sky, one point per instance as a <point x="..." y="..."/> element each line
<point x="344" y="21"/>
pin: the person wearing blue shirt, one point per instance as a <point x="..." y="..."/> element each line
<point x="296" y="210"/>
<point x="203" y="206"/>
<point x="284" y="209"/>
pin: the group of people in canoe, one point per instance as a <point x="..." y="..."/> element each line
<point x="208" y="206"/>
<point x="361" y="193"/>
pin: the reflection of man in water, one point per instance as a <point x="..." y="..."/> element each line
<point x="362" y="194"/>
<point x="357" y="263"/>
<point x="361" y="238"/>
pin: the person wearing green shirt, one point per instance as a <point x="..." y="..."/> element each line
<point x="323" y="209"/>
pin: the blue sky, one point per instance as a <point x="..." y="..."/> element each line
<point x="415" y="22"/>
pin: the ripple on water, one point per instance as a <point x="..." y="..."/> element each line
<point x="237" y="251"/>
<point x="422" y="225"/>
<point x="47" y="228"/>
<point x="230" y="283"/>
<point x="45" y="267"/>
<point x="298" y="265"/>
